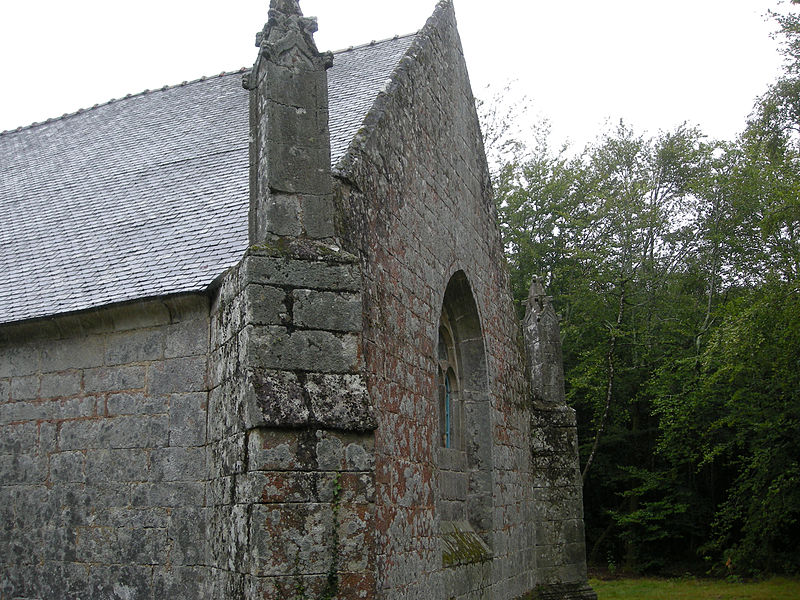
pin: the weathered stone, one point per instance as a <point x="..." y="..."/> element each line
<point x="117" y="432"/>
<point x="18" y="360"/>
<point x="24" y="388"/>
<point x="112" y="379"/>
<point x="291" y="537"/>
<point x="281" y="450"/>
<point x="18" y="438"/>
<point x="284" y="215"/>
<point x="134" y="518"/>
<point x="134" y="346"/>
<point x="182" y="583"/>
<point x="323" y="351"/>
<point x="67" y="466"/>
<point x="290" y="151"/>
<point x="67" y="383"/>
<point x="359" y="455"/>
<point x="266" y="305"/>
<point x="543" y="346"/>
<point x="177" y="375"/>
<point x="120" y="582"/>
<point x="135" y="403"/>
<point x="170" y="495"/>
<point x="276" y="398"/>
<point x="186" y="338"/>
<point x="29" y="411"/>
<point x="260" y="487"/>
<point x="317" y="211"/>
<point x="22" y="469"/>
<point x="187" y="419"/>
<point x="340" y="402"/>
<point x="80" y="353"/>
<point x="330" y="451"/>
<point x="461" y="545"/>
<point x="178" y="464"/>
<point x="320" y="275"/>
<point x="327" y="310"/>
<point x="140" y="315"/>
<point x="188" y="534"/>
<point x="228" y="455"/>
<point x="187" y="307"/>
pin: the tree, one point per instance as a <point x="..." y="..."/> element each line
<point x="608" y="231"/>
<point x="674" y="264"/>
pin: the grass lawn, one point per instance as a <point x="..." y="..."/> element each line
<point x="695" y="589"/>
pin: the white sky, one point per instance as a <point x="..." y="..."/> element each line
<point x="582" y="63"/>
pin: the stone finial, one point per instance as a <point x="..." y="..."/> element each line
<point x="543" y="347"/>
<point x="287" y="39"/>
<point x="286" y="7"/>
<point x="536" y="292"/>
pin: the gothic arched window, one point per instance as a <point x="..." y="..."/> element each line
<point x="463" y="456"/>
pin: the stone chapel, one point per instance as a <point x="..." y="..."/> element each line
<point x="257" y="341"/>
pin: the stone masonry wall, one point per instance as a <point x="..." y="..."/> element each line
<point x="291" y="422"/>
<point x="416" y="198"/>
<point x="419" y="194"/>
<point x="103" y="471"/>
<point x="291" y="429"/>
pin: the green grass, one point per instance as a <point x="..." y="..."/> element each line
<point x="695" y="589"/>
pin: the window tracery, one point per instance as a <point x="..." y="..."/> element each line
<point x="450" y="425"/>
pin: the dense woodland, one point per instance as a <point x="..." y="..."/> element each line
<point x="673" y="262"/>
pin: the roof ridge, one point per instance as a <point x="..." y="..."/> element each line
<point x="183" y="83"/>
<point x="373" y="42"/>
<point x="125" y="97"/>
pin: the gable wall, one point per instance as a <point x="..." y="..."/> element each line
<point x="102" y="458"/>
<point x="419" y="197"/>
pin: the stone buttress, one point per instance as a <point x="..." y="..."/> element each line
<point x="557" y="487"/>
<point x="291" y="426"/>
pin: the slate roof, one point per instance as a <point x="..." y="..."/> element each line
<point x="146" y="196"/>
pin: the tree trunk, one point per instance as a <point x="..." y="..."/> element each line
<point x="609" y="388"/>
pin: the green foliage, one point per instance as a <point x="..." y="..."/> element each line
<point x="675" y="265"/>
<point x="751" y="374"/>
<point x="608" y="231"/>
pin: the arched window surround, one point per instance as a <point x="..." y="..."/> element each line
<point x="464" y="467"/>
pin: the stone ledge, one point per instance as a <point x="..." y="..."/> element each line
<point x="301" y="249"/>
<point x="122" y="316"/>
<point x="461" y="545"/>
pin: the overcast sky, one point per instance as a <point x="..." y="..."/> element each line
<point x="654" y="63"/>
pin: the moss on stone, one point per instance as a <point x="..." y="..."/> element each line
<point x="461" y="545"/>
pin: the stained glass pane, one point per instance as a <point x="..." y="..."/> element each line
<point x="447" y="420"/>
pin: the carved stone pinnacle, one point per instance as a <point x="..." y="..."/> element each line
<point x="287" y="7"/>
